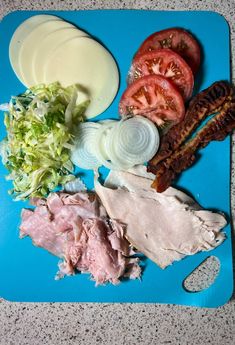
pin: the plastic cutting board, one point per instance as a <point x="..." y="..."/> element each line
<point x="26" y="272"/>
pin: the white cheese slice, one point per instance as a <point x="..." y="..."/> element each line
<point x="29" y="46"/>
<point x="46" y="47"/>
<point x="86" y="62"/>
<point x="19" y="36"/>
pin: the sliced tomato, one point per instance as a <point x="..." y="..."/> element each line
<point x="179" y="40"/>
<point x="155" y="97"/>
<point x="167" y="63"/>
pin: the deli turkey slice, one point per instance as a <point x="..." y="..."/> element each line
<point x="163" y="226"/>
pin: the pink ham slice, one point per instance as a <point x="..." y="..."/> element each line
<point x="76" y="229"/>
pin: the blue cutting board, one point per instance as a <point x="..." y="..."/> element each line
<point x="26" y="272"/>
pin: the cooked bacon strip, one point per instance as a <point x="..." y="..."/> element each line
<point x="216" y="129"/>
<point x="204" y="104"/>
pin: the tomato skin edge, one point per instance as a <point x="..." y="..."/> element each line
<point x="139" y="60"/>
<point x="194" y="64"/>
<point x="125" y="103"/>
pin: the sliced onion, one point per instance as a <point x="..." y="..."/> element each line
<point x="100" y="149"/>
<point x="107" y="122"/>
<point x="135" y="141"/>
<point x="101" y="138"/>
<point x="115" y="144"/>
<point x="82" y="155"/>
<point x="111" y="143"/>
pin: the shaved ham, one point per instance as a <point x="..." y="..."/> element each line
<point x="164" y="226"/>
<point x="76" y="228"/>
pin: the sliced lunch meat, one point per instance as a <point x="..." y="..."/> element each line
<point x="164" y="226"/>
<point x="76" y="228"/>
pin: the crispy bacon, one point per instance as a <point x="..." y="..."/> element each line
<point x="209" y="101"/>
<point x="216" y="128"/>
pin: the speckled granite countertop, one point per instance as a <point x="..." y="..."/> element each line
<point x="48" y="323"/>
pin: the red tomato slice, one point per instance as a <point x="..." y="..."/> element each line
<point x="155" y="97"/>
<point x="179" y="40"/>
<point x="167" y="63"/>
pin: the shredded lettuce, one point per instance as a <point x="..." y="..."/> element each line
<point x="37" y="148"/>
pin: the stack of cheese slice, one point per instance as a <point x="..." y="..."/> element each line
<point x="46" y="49"/>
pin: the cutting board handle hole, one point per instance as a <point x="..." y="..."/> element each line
<point x="203" y="276"/>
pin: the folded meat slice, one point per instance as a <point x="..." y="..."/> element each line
<point x="164" y="226"/>
<point x="76" y="228"/>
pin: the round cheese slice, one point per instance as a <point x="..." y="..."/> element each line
<point x="19" y="36"/>
<point x="30" y="44"/>
<point x="46" y="47"/>
<point x="86" y="62"/>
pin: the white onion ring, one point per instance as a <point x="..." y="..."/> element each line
<point x="82" y="155"/>
<point x="115" y="144"/>
<point x="136" y="139"/>
<point x="100" y="147"/>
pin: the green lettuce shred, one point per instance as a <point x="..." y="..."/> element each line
<point x="39" y="127"/>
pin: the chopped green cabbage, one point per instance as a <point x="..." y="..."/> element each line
<point x="39" y="127"/>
